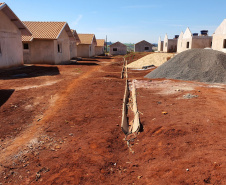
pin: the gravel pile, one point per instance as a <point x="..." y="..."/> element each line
<point x="202" y="65"/>
<point x="155" y="59"/>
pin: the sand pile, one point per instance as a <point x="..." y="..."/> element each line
<point x="202" y="65"/>
<point x="155" y="59"/>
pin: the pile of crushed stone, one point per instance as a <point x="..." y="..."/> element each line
<point x="155" y="59"/>
<point x="204" y="65"/>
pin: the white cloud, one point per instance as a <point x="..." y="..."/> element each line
<point x="75" y="23"/>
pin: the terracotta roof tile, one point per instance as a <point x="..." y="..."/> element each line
<point x="100" y="42"/>
<point x="43" y="30"/>
<point x="86" y="38"/>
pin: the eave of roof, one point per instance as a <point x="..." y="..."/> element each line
<point x="15" y="20"/>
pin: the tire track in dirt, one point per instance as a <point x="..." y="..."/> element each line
<point x="36" y="127"/>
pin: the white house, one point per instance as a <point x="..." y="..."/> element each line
<point x="11" y="51"/>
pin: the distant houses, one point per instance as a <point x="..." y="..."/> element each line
<point x="219" y="37"/>
<point x="87" y="46"/>
<point x="118" y="49"/>
<point x="99" y="49"/>
<point x="49" y="43"/>
<point x="187" y="40"/>
<point x="143" y="46"/>
<point x="11" y="28"/>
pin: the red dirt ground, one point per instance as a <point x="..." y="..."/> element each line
<point x="61" y="125"/>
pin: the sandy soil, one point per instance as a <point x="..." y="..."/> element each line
<point x="155" y="59"/>
<point x="60" y="125"/>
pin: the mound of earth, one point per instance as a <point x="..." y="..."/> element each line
<point x="202" y="65"/>
<point x="155" y="59"/>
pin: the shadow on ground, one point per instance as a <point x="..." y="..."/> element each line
<point x="28" y="72"/>
<point x="5" y="95"/>
<point x="83" y="64"/>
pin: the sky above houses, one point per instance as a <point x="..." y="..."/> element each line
<point x="127" y="21"/>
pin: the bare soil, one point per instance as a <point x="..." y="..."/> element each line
<point x="61" y="125"/>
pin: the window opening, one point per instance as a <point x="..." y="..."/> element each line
<point x="59" y="48"/>
<point x="26" y="46"/>
<point x="188" y="44"/>
<point x="224" y="43"/>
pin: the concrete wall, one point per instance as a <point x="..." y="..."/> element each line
<point x="218" y="42"/>
<point x="11" y="52"/>
<point x="40" y="52"/>
<point x="86" y="50"/>
<point x="219" y="37"/>
<point x="170" y="46"/>
<point x="99" y="50"/>
<point x="140" y="47"/>
<point x="73" y="49"/>
<point x="160" y="45"/>
<point x="83" y="50"/>
<point x="201" y="42"/>
<point x="92" y="52"/>
<point x="121" y="49"/>
<point x="194" y="42"/>
<point x="64" y="41"/>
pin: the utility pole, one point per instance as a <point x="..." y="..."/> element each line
<point x="106" y="44"/>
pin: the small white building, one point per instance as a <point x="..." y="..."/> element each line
<point x="118" y="49"/>
<point x="160" y="45"/>
<point x="87" y="46"/>
<point x="73" y="44"/>
<point x="219" y="37"/>
<point x="11" y="51"/>
<point x="143" y="46"/>
<point x="99" y="49"/>
<point x="49" y="43"/>
<point x="190" y="41"/>
<point x="170" y="45"/>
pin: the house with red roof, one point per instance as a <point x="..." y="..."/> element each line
<point x="118" y="49"/>
<point x="11" y="28"/>
<point x="99" y="49"/>
<point x="48" y="44"/>
<point x="87" y="46"/>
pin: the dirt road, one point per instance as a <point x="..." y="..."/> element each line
<point x="61" y="125"/>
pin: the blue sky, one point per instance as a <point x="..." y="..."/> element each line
<point x="127" y="21"/>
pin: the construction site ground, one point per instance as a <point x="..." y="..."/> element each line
<point x="61" y="125"/>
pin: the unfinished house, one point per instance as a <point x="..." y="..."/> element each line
<point x="179" y="42"/>
<point x="118" y="49"/>
<point x="11" y="28"/>
<point x="73" y="44"/>
<point x="99" y="49"/>
<point x="49" y="43"/>
<point x="87" y="46"/>
<point x="191" y="41"/>
<point x="160" y="45"/>
<point x="143" y="46"/>
<point x="219" y="37"/>
<point x="170" y="45"/>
